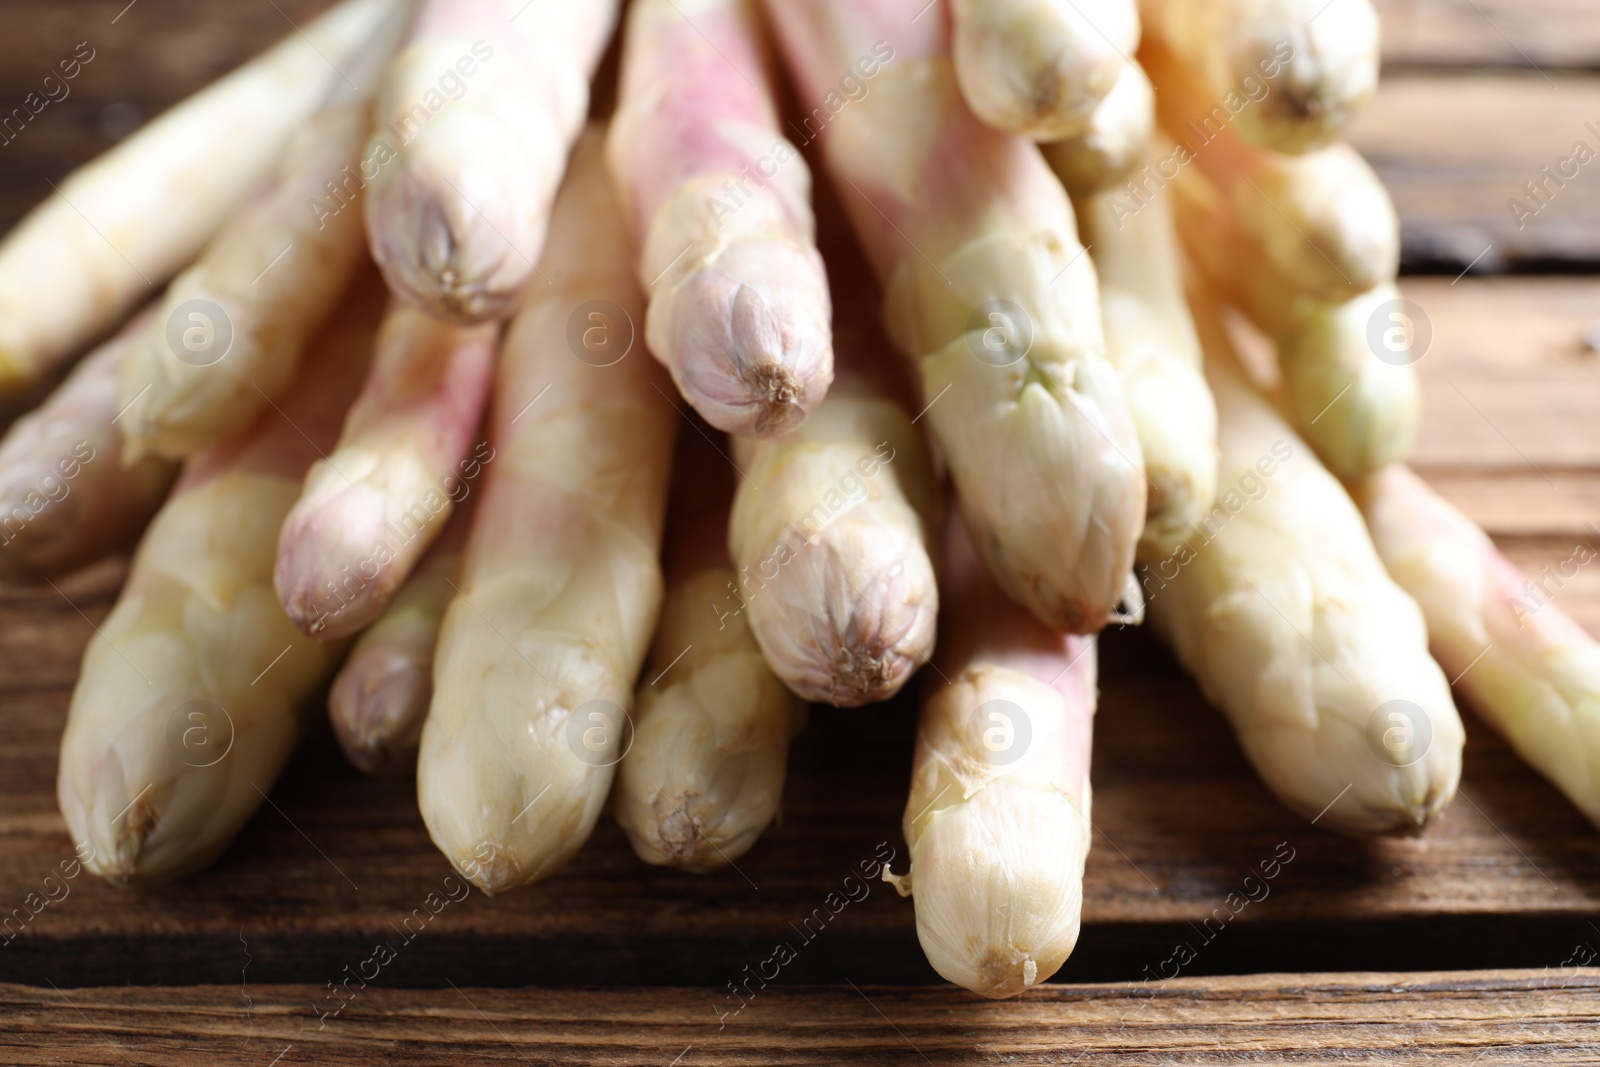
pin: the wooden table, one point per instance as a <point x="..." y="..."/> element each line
<point x="1463" y="945"/>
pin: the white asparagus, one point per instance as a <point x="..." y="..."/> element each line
<point x="1151" y="339"/>
<point x="191" y="692"/>
<point x="1281" y="610"/>
<point x="998" y="815"/>
<point x="832" y="530"/>
<point x="560" y="586"/>
<point x="228" y="338"/>
<point x="1116" y="139"/>
<point x="1316" y="60"/>
<point x="720" y="207"/>
<point x="1040" y="68"/>
<point x="989" y="292"/>
<point x="704" y="777"/>
<point x="476" y="117"/>
<point x="1357" y="407"/>
<point x="111" y="232"/>
<point x="380" y="698"/>
<point x="406" y="456"/>
<point x="66" y="498"/>
<point x="1527" y="669"/>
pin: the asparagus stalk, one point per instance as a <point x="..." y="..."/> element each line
<point x="1321" y="224"/>
<point x="96" y="248"/>
<point x="998" y="816"/>
<point x="1281" y="610"/>
<point x="1306" y="66"/>
<point x="66" y="498"/>
<point x="704" y="777"/>
<point x="989" y="291"/>
<point x="380" y="697"/>
<point x="1151" y="339"/>
<point x="1357" y="407"/>
<point x="1116" y="139"/>
<point x="228" y="338"/>
<point x="459" y="203"/>
<point x="720" y="207"/>
<point x="1528" y="670"/>
<point x="560" y="584"/>
<point x="189" y="699"/>
<point x="1040" y="68"/>
<point x="832" y="529"/>
<point x="406" y="456"/>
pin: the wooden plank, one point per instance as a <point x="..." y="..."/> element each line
<point x="1490" y="33"/>
<point x="1453" y="151"/>
<point x="1509" y="385"/>
<point x="1475" y="1019"/>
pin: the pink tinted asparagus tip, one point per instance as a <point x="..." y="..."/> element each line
<point x="379" y="703"/>
<point x="756" y="345"/>
<point x="330" y="572"/>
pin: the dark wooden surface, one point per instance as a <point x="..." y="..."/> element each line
<point x="1460" y="1019"/>
<point x="223" y="967"/>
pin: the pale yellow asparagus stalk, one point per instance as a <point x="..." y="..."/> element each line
<point x="119" y="226"/>
<point x="991" y="294"/>
<point x="1305" y="66"/>
<point x="1151" y="339"/>
<point x="228" y="336"/>
<point x="998" y="816"/>
<point x="476" y="116"/>
<point x="1527" y="669"/>
<point x="380" y="698"/>
<point x="1281" y="610"/>
<point x="704" y="777"/>
<point x="191" y="692"/>
<point x="405" y="458"/>
<point x="720" y="206"/>
<point x="560" y="585"/>
<point x="1041" y="67"/>
<point x="1357" y="406"/>
<point x="66" y="498"/>
<point x="833" y="528"/>
<point x="1116" y="139"/>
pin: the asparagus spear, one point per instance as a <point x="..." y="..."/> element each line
<point x="1359" y="411"/>
<point x="380" y="698"/>
<point x="97" y="247"/>
<point x="1306" y="66"/>
<point x="405" y="458"/>
<point x="988" y="289"/>
<point x="189" y="699"/>
<point x="832" y="530"/>
<point x="228" y="338"/>
<point x="1116" y="139"/>
<point x="720" y="207"/>
<point x="66" y="498"/>
<point x="1041" y="67"/>
<point x="1530" y="671"/>
<point x="704" y="777"/>
<point x="476" y="116"/>
<point x="560" y="584"/>
<point x="998" y="816"/>
<point x="1281" y="610"/>
<point x="1151" y="339"/>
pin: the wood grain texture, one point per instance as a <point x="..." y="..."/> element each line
<point x="1454" y="149"/>
<point x="1478" y="1019"/>
<point x="1490" y="33"/>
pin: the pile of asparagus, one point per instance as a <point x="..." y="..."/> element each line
<point x="454" y="474"/>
